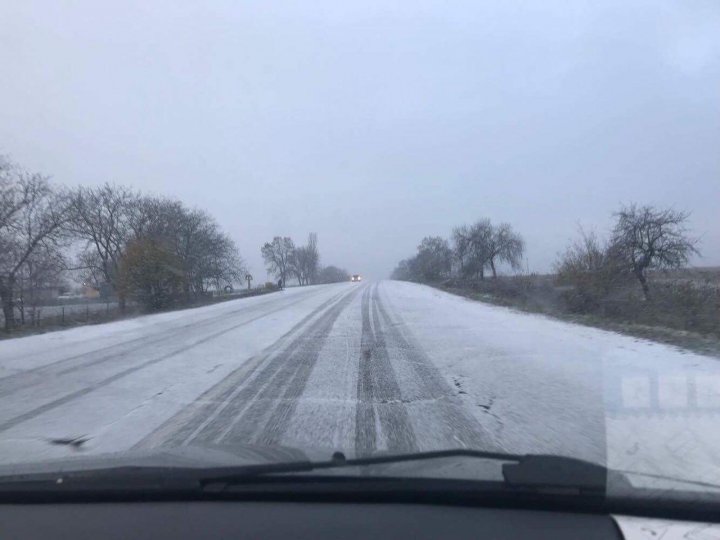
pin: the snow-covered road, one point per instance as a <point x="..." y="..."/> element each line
<point x="362" y="368"/>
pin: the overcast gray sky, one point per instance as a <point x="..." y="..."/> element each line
<point x="375" y="123"/>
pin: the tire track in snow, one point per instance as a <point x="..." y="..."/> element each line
<point x="452" y="418"/>
<point x="32" y="413"/>
<point x="381" y="419"/>
<point x="228" y="403"/>
<point x="285" y="395"/>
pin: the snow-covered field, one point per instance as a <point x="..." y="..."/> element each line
<point x="362" y="368"/>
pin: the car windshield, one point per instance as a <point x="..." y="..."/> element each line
<point x="262" y="233"/>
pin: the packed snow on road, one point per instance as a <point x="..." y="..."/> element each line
<point x="364" y="368"/>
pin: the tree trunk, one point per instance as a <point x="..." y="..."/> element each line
<point x="186" y="291"/>
<point x="492" y="266"/>
<point x="6" y="296"/>
<point x="643" y="283"/>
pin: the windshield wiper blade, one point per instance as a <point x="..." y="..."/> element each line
<point x="531" y="471"/>
<point x="339" y="460"/>
<point x="527" y="471"/>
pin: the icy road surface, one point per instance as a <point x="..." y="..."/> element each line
<point x="366" y="367"/>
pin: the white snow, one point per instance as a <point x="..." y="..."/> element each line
<point x="555" y="387"/>
<point x="533" y="383"/>
<point x="118" y="414"/>
<point x="325" y="417"/>
<point x="34" y="351"/>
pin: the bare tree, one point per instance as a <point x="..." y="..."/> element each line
<point x="483" y="245"/>
<point x="31" y="217"/>
<point x="480" y="248"/>
<point x="206" y="256"/>
<point x="505" y="246"/>
<point x="645" y="237"/>
<point x="39" y="275"/>
<point x="298" y="264"/>
<point x="223" y="264"/>
<point x="333" y="274"/>
<point x="150" y="273"/>
<point x="12" y="195"/>
<point x="305" y="261"/>
<point x="313" y="258"/>
<point x="278" y="256"/>
<point x="110" y="218"/>
<point x="101" y="218"/>
<point x="461" y="247"/>
<point x="434" y="258"/>
<point x="406" y="270"/>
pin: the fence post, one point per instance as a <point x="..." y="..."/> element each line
<point x="63" y="315"/>
<point x="87" y="313"/>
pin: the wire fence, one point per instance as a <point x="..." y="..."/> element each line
<point x="36" y="316"/>
<point x="31" y="319"/>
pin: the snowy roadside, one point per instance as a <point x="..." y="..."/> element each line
<point x="543" y="385"/>
<point x="692" y="341"/>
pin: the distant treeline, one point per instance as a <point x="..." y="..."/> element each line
<point x="622" y="278"/>
<point x="473" y="250"/>
<point x="284" y="260"/>
<point x="643" y="238"/>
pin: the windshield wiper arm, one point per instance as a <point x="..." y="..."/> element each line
<point x="532" y="470"/>
<point x="339" y="460"/>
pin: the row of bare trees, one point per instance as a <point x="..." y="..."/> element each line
<point x="475" y="249"/>
<point x="150" y="249"/>
<point x="333" y="274"/>
<point x="643" y="239"/>
<point x="483" y="246"/>
<point x="284" y="259"/>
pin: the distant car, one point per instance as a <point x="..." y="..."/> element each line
<point x="356" y="277"/>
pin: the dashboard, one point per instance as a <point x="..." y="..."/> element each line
<point x="181" y="520"/>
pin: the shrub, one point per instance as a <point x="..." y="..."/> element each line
<point x="151" y="274"/>
<point x="589" y="271"/>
